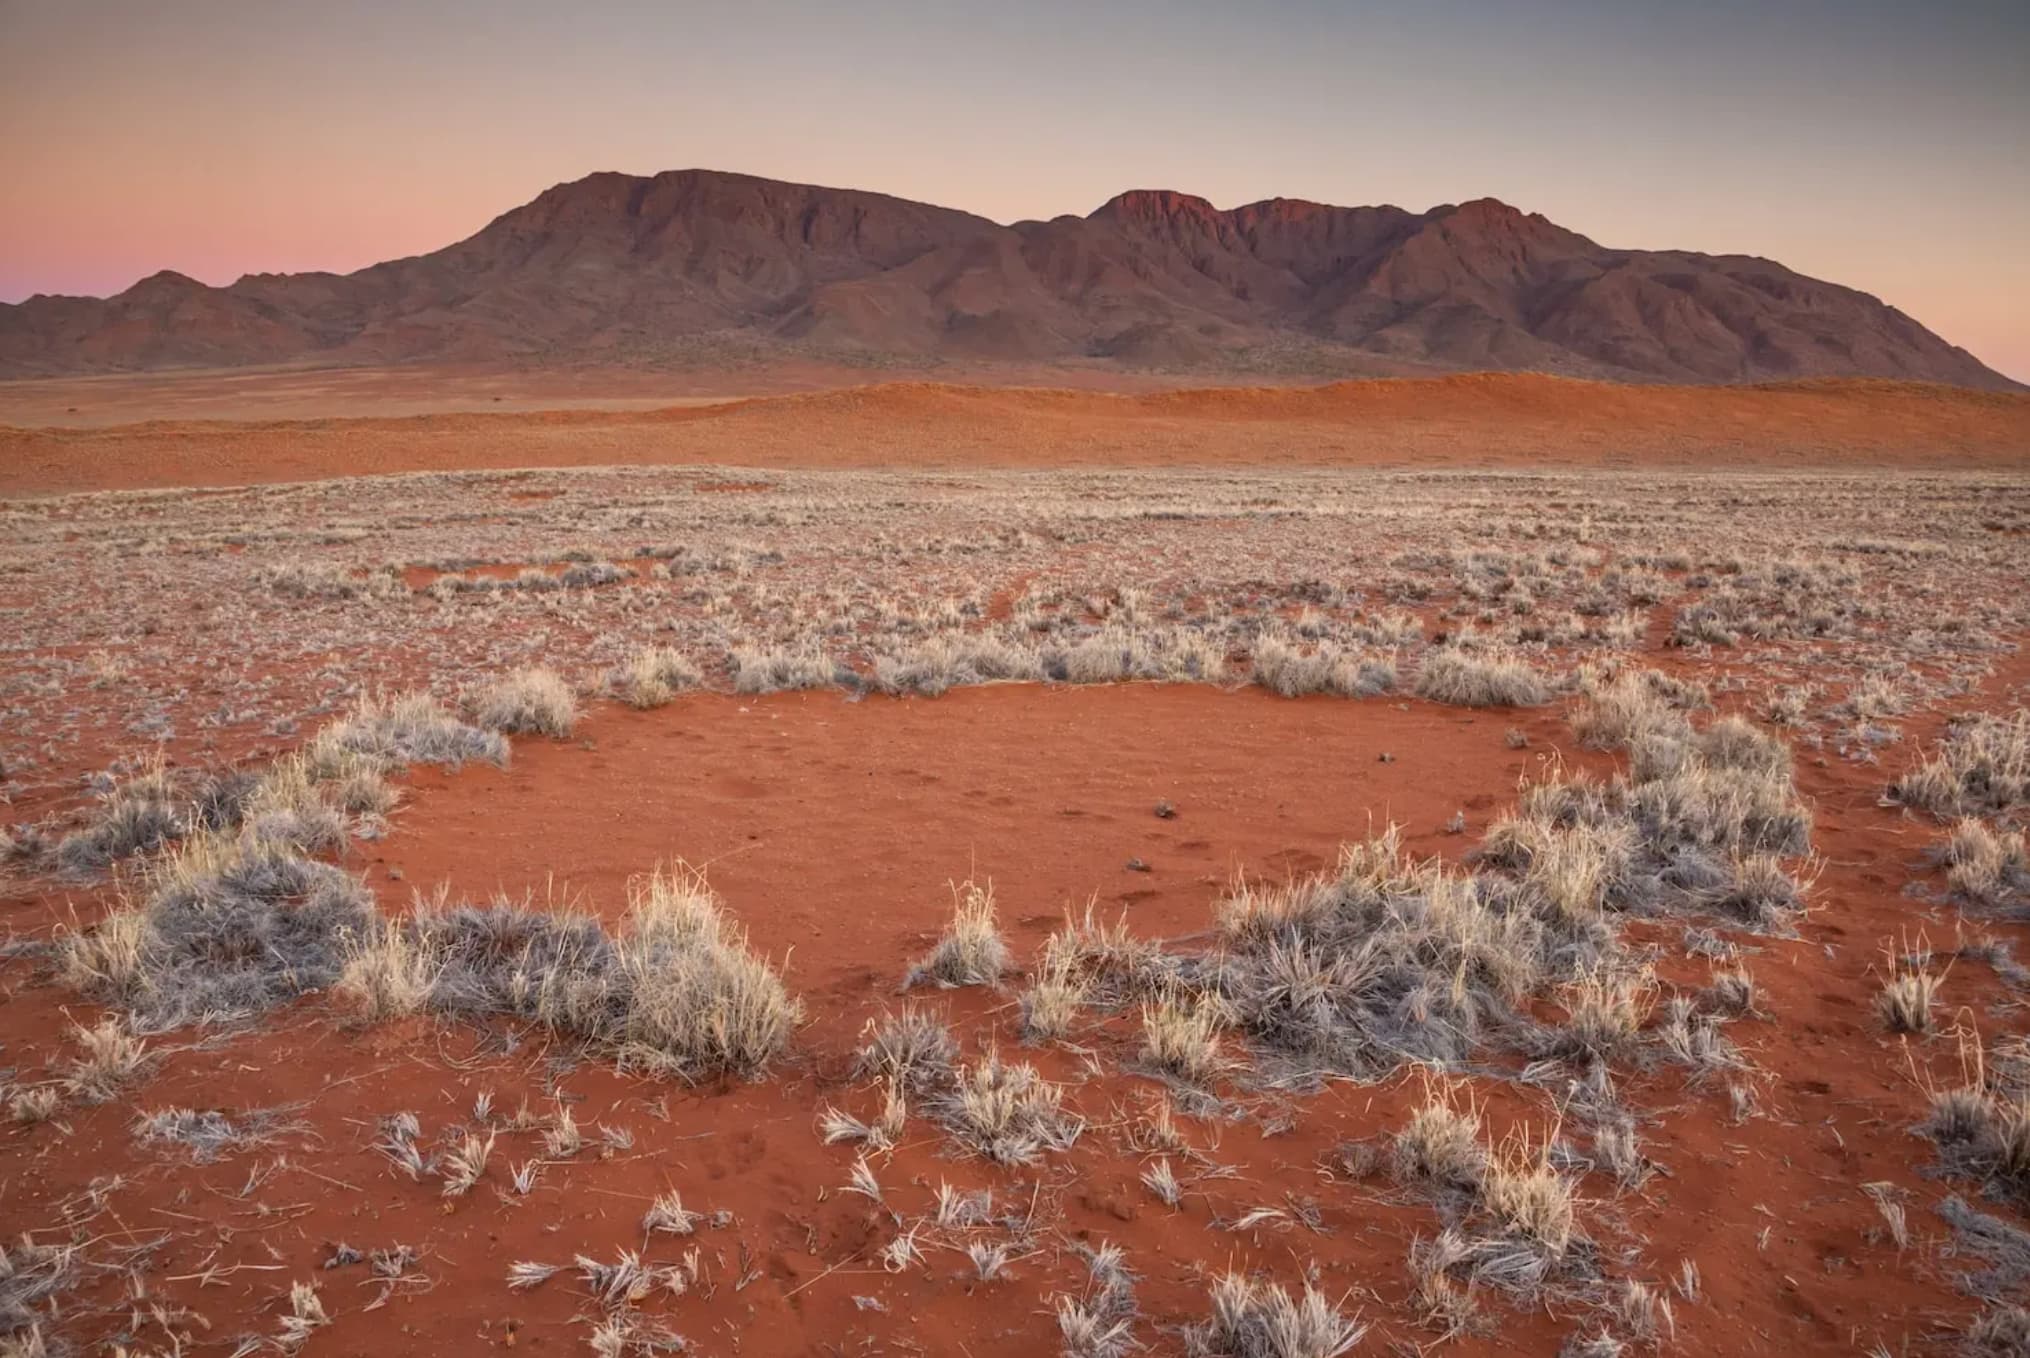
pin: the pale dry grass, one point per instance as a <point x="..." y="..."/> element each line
<point x="971" y="951"/>
<point x="534" y="701"/>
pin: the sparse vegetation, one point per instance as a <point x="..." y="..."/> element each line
<point x="1169" y="1055"/>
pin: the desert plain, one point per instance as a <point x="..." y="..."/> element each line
<point x="796" y="863"/>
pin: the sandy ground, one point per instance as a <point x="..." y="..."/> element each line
<point x="310" y="393"/>
<point x="833" y="825"/>
<point x="1490" y="420"/>
<point x="795" y="802"/>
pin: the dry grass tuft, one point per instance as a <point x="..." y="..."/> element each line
<point x="136" y="816"/>
<point x="110" y="1057"/>
<point x="527" y="702"/>
<point x="1441" y="1144"/>
<point x="1253" y="1319"/>
<point x="1903" y="1003"/>
<point x="1488" y="678"/>
<point x="912" y="1050"/>
<point x="1007" y="1112"/>
<point x="389" y="973"/>
<point x="1100" y="1324"/>
<point x="674" y="991"/>
<point x="1051" y="1005"/>
<point x="653" y="676"/>
<point x="1989" y="868"/>
<point x="1182" y="1039"/>
<point x="971" y="951"/>
<point x="1285" y="667"/>
<point x="1981" y="767"/>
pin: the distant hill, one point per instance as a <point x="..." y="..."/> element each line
<point x="690" y="263"/>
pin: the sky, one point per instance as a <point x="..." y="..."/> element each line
<point x="1884" y="146"/>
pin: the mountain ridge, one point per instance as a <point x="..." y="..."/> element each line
<point x="617" y="267"/>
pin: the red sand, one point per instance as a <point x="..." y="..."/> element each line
<point x="831" y="829"/>
<point x="1469" y="421"/>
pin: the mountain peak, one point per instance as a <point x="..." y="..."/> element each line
<point x="164" y="282"/>
<point x="1147" y="205"/>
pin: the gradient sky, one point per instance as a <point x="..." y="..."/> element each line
<point x="1884" y="146"/>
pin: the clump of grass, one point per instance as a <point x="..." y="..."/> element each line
<point x="1604" y="1015"/>
<point x="1732" y="991"/>
<point x="1645" y="1312"/>
<point x="1007" y="1112"/>
<point x="990" y="1260"/>
<point x="1693" y="1038"/>
<point x="1182" y="1039"/>
<point x="1100" y="1324"/>
<point x="1252" y="1319"/>
<point x="2001" y="1331"/>
<point x="951" y="659"/>
<point x="31" y="1273"/>
<point x="1903" y="1003"/>
<point x="1121" y="653"/>
<point x="138" y="815"/>
<point x="1530" y="1196"/>
<point x="1051" y="1005"/>
<point x="674" y="991"/>
<point x="530" y="701"/>
<point x="971" y="951"/>
<point x="1617" y="712"/>
<point x="1289" y="669"/>
<point x="1488" y="678"/>
<point x="287" y="806"/>
<point x="203" y="1132"/>
<point x="1983" y="1134"/>
<point x="911" y="1050"/>
<point x="772" y="671"/>
<point x="1162" y="1181"/>
<point x="229" y="926"/>
<point x="393" y="733"/>
<point x="465" y="1163"/>
<point x="306" y="1316"/>
<point x="389" y="972"/>
<point x="28" y="1107"/>
<point x="1987" y="867"/>
<point x="667" y="1215"/>
<point x="1441" y="1301"/>
<point x="652" y="676"/>
<point x="1108" y="965"/>
<point x="1441" y="1143"/>
<point x="1981" y="767"/>
<point x="109" y="1058"/>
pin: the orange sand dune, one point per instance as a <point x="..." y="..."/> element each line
<point x="1463" y="421"/>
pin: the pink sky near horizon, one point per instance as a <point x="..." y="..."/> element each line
<point x="223" y="138"/>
